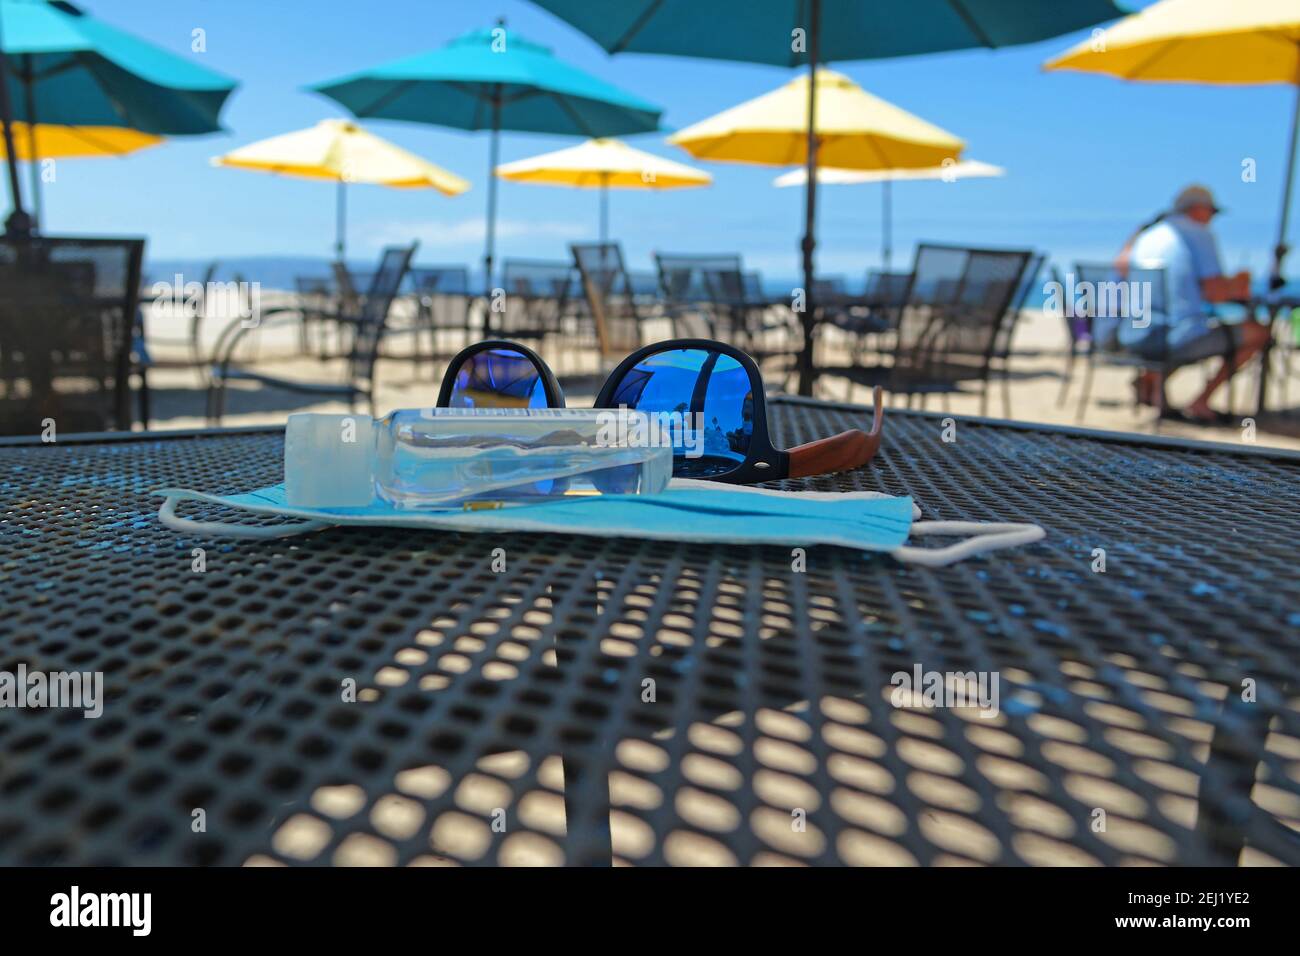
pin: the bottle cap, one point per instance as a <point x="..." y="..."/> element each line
<point x="327" y="461"/>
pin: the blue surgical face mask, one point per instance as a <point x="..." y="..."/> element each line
<point x="698" y="511"/>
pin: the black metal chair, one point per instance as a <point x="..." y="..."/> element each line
<point x="367" y="331"/>
<point x="1105" y="349"/>
<point x="1007" y="331"/>
<point x="874" y="314"/>
<point x="539" y="297"/>
<point x="948" y="327"/>
<point x="617" y="316"/>
<point x="684" y="292"/>
<point x="745" y="317"/>
<point x="443" y="304"/>
<point x="69" y="312"/>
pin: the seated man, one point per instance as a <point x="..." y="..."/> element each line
<point x="1180" y="242"/>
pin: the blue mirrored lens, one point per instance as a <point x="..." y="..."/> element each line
<point x="498" y="378"/>
<point x="703" y="398"/>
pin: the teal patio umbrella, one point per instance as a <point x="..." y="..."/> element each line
<point x="816" y="32"/>
<point x="493" y="80"/>
<point x="61" y="67"/>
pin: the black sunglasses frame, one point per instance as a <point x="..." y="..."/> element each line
<point x="763" y="461"/>
<point x="550" y="384"/>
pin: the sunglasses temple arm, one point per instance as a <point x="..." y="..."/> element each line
<point x="850" y="449"/>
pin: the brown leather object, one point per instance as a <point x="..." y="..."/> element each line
<point x="850" y="449"/>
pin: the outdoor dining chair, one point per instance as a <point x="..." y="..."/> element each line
<point x="539" y="296"/>
<point x="745" y="317"/>
<point x="444" y="304"/>
<point x="874" y="314"/>
<point x="1102" y="352"/>
<point x="1007" y="330"/>
<point x="618" y="318"/>
<point x="684" y="293"/>
<point x="68" y="315"/>
<point x="948" y="327"/>
<point x="367" y="333"/>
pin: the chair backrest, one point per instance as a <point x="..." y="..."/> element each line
<point x="828" y="288"/>
<point x="539" y="278"/>
<point x="349" y="297"/>
<point x="1156" y="289"/>
<point x="1111" y="299"/>
<point x="441" y="280"/>
<point x="386" y="281"/>
<point x="1028" y="282"/>
<point x="886" y="290"/>
<point x="682" y="277"/>
<point x="609" y="293"/>
<point x="538" y="293"/>
<point x="384" y="285"/>
<point x="955" y="304"/>
<point x="68" y="311"/>
<point x="932" y="285"/>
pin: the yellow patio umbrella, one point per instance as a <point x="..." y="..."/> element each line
<point x="855" y="130"/>
<point x="603" y="164"/>
<point x="1204" y="41"/>
<point x="40" y="141"/>
<point x="44" y="141"/>
<point x="342" y="152"/>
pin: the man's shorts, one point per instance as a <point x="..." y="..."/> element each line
<point x="1216" y="339"/>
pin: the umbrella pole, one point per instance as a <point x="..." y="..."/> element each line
<point x="809" y="315"/>
<point x="33" y="155"/>
<point x="887" y="225"/>
<point x="1279" y="251"/>
<point x="494" y="154"/>
<point x="341" y="221"/>
<point x="604" y="208"/>
<point x="17" y="223"/>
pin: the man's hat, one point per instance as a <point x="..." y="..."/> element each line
<point x="1194" y="196"/>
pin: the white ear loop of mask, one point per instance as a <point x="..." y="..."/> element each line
<point x="168" y="516"/>
<point x="984" y="537"/>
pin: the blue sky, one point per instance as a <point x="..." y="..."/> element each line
<point x="1089" y="157"/>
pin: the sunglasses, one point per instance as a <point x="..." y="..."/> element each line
<point x="707" y="394"/>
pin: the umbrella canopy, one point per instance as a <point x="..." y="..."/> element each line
<point x="761" y="31"/>
<point x="76" y="142"/>
<point x="1205" y="41"/>
<point x="797" y="32"/>
<point x="342" y="152"/>
<point x="62" y="67"/>
<point x="948" y="172"/>
<point x="603" y="164"/>
<point x="493" y="80"/>
<point x="855" y="130"/>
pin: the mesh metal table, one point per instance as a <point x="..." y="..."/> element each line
<point x="488" y="699"/>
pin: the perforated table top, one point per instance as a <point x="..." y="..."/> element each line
<point x="1147" y="712"/>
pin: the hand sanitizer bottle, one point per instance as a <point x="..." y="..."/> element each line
<point x="439" y="458"/>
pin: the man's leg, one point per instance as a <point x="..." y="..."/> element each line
<point x="1253" y="338"/>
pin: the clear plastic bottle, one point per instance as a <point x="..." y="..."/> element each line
<point x="466" y="457"/>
